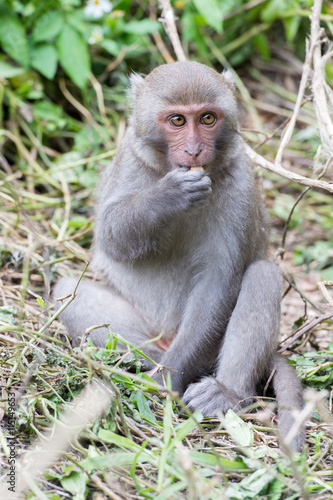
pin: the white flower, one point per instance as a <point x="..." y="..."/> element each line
<point x="96" y="8"/>
<point x="96" y="36"/>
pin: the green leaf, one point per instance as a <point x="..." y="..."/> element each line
<point x="240" y="431"/>
<point x="44" y="58"/>
<point x="183" y="429"/>
<point x="74" y="18"/>
<point x="201" y="458"/>
<point x="143" y="406"/>
<point x="7" y="314"/>
<point x="78" y="221"/>
<point x="41" y="302"/>
<point x="113" y="459"/>
<point x="73" y="55"/>
<point x="121" y="441"/>
<point x="13" y="38"/>
<point x="45" y="110"/>
<point x="75" y="483"/>
<point x="251" y="486"/>
<point x="327" y="274"/>
<point x="144" y="27"/>
<point x="111" y="47"/>
<point x="48" y="26"/>
<point x="9" y="71"/>
<point x="211" y="12"/>
<point x="272" y="10"/>
<point x="291" y="25"/>
<point x="261" y="43"/>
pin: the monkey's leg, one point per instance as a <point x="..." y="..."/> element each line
<point x="96" y="304"/>
<point x="249" y="343"/>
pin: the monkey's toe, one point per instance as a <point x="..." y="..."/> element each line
<point x="210" y="397"/>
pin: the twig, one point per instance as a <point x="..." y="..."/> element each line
<point x="169" y="23"/>
<point x="102" y="486"/>
<point x="268" y="165"/>
<point x="306" y="328"/>
<point x="290" y="280"/>
<point x="322" y="287"/>
<point x="84" y="111"/>
<point x="113" y="65"/>
<point x="318" y="82"/>
<point x="93" y="159"/>
<point x="291" y="124"/>
<point x="160" y="45"/>
<point x="29" y="158"/>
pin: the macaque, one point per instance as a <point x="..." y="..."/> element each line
<point x="181" y="238"/>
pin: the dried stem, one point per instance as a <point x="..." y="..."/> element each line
<point x="169" y="23"/>
<point x="322" y="287"/>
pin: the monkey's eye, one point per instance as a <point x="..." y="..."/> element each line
<point x="208" y="119"/>
<point x="177" y="120"/>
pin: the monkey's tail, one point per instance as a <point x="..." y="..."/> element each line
<point x="289" y="396"/>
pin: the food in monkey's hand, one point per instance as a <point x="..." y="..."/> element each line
<point x="196" y="168"/>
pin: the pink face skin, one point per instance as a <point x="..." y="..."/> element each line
<point x="190" y="132"/>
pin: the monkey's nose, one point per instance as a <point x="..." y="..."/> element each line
<point x="193" y="151"/>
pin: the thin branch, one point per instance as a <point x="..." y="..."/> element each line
<point x="318" y="83"/>
<point x="322" y="287"/>
<point x="305" y="329"/>
<point x="159" y="42"/>
<point x="169" y="23"/>
<point x="305" y="181"/>
<point x="291" y="125"/>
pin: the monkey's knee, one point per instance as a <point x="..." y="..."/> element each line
<point x="63" y="288"/>
<point x="266" y="275"/>
<point x="70" y="316"/>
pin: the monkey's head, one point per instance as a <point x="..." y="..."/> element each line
<point x="184" y="114"/>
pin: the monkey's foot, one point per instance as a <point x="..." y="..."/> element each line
<point x="210" y="397"/>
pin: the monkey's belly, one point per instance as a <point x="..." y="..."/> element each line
<point x="155" y="291"/>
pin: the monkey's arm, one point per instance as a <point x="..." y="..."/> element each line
<point x="131" y="226"/>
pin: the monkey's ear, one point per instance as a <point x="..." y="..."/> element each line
<point x="136" y="83"/>
<point x="229" y="78"/>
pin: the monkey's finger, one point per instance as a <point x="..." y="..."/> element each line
<point x="194" y="184"/>
<point x="198" y="188"/>
<point x="198" y="199"/>
<point x="195" y="174"/>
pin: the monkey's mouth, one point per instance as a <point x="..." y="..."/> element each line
<point x="191" y="167"/>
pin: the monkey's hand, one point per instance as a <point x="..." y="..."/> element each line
<point x="210" y="397"/>
<point x="186" y="188"/>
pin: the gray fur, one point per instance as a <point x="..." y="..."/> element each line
<point x="184" y="252"/>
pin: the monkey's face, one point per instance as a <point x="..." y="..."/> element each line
<point x="184" y="115"/>
<point x="190" y="133"/>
